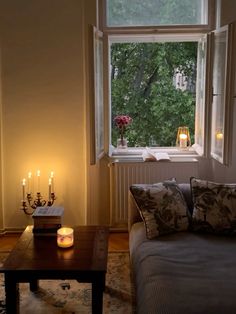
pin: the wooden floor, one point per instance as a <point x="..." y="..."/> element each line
<point x="118" y="241"/>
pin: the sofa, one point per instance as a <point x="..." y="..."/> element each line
<point x="186" y="270"/>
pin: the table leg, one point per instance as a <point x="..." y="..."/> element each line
<point x="12" y="294"/>
<point x="97" y="296"/>
<point x="34" y="285"/>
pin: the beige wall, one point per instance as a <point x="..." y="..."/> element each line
<point x="43" y="103"/>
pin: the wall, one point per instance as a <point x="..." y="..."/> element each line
<point x="228" y="173"/>
<point x="43" y="105"/>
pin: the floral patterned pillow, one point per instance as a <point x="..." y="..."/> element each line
<point x="214" y="207"/>
<point x="162" y="208"/>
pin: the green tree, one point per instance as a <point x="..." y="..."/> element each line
<point x="142" y="86"/>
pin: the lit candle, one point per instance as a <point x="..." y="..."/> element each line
<point x="29" y="182"/>
<point x="49" y="188"/>
<point x="65" y="237"/>
<point x="52" y="180"/>
<point x="23" y="189"/>
<point x="38" y="176"/>
<point x="183" y="140"/>
<point x="219" y="136"/>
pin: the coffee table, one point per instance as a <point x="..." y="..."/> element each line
<point x="35" y="258"/>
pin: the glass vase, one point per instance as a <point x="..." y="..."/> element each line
<point x="122" y="143"/>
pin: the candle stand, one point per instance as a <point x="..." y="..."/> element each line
<point x="32" y="203"/>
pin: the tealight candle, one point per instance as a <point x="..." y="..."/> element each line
<point x="65" y="237"/>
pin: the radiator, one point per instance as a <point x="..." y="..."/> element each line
<point x="124" y="174"/>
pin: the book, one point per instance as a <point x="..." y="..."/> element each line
<point x="148" y="155"/>
<point x="48" y="212"/>
<point x="45" y="232"/>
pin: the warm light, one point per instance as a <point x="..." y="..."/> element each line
<point x="23" y="182"/>
<point x="65" y="237"/>
<point x="30" y="175"/>
<point x="38" y="173"/>
<point x="183" y="137"/>
<point x="52" y="174"/>
<point x="219" y="136"/>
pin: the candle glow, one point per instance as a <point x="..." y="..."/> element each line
<point x="183" y="140"/>
<point x="65" y="237"/>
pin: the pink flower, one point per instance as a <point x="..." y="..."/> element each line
<point x="122" y="121"/>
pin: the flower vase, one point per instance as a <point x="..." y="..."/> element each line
<point x="122" y="143"/>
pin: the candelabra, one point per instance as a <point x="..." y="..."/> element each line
<point x="31" y="203"/>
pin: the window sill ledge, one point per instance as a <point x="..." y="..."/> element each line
<point x="132" y="154"/>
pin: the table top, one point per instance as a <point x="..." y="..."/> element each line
<point x="36" y="253"/>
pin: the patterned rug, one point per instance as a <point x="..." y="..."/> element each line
<point x="64" y="297"/>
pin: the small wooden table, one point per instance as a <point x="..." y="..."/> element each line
<point x="35" y="258"/>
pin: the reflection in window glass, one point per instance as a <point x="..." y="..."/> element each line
<point x="156" y="12"/>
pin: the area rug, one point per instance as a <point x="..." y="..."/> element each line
<point x="69" y="296"/>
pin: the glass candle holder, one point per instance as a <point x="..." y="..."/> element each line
<point x="65" y="237"/>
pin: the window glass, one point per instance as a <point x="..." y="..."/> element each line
<point x="121" y="13"/>
<point x="218" y="110"/>
<point x="200" y="95"/>
<point x="155" y="85"/>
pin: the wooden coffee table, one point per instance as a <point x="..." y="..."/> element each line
<point x="35" y="258"/>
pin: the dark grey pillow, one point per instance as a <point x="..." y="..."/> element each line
<point x="162" y="208"/>
<point x="214" y="207"/>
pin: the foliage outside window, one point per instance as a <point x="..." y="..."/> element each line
<point x="155" y="84"/>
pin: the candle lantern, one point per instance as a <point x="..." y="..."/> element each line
<point x="65" y="237"/>
<point x="183" y="137"/>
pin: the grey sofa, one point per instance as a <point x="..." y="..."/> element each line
<point x="184" y="272"/>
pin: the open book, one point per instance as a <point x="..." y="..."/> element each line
<point x="148" y="155"/>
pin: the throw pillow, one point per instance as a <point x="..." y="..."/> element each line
<point x="162" y="208"/>
<point x="214" y="207"/>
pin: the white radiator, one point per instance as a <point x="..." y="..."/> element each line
<point x="124" y="174"/>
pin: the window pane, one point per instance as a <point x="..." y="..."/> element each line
<point x="218" y="110"/>
<point x="156" y="12"/>
<point x="200" y="95"/>
<point x="153" y="83"/>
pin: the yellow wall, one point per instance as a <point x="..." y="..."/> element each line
<point x="43" y="104"/>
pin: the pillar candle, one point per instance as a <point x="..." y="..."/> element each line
<point x="49" y="189"/>
<point x="23" y="189"/>
<point x="29" y="182"/>
<point x="38" y="179"/>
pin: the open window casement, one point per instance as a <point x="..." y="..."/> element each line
<point x="97" y="106"/>
<point x="214" y="95"/>
<point x="203" y="83"/>
<point x="222" y="97"/>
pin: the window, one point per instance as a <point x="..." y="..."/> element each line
<point x="155" y="84"/>
<point x="123" y="13"/>
<point x="158" y="65"/>
<point x="156" y="79"/>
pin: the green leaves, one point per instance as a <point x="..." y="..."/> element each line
<point x="143" y="86"/>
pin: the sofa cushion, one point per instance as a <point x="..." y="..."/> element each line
<point x="162" y="208"/>
<point x="214" y="207"/>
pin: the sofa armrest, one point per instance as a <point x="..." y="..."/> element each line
<point x="133" y="211"/>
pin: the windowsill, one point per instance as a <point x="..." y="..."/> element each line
<point x="133" y="154"/>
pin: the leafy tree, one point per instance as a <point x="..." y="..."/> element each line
<point x="142" y="81"/>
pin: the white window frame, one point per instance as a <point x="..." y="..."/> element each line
<point x="117" y="34"/>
